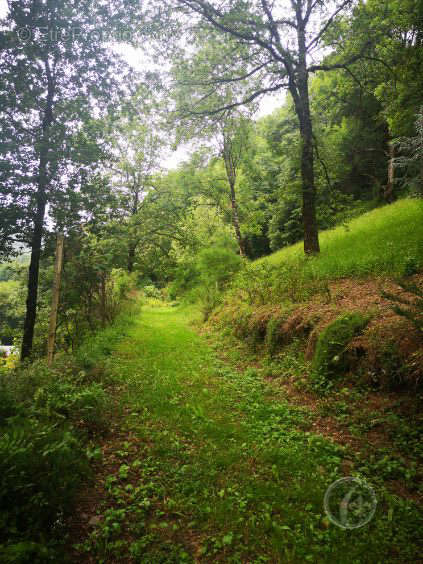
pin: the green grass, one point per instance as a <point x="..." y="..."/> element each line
<point x="385" y="241"/>
<point x="210" y="468"/>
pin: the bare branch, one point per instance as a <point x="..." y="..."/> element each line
<point x="247" y="100"/>
<point x="343" y="65"/>
<point x="316" y="39"/>
<point x="228" y="80"/>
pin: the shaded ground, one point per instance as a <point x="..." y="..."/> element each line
<point x="207" y="463"/>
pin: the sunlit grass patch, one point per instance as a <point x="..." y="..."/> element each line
<point x="384" y="241"/>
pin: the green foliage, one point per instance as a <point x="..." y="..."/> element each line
<point x="257" y="470"/>
<point x="380" y="242"/>
<point x="330" y="359"/>
<point x="290" y="282"/>
<point x="274" y="336"/>
<point x="151" y="291"/>
<point x="48" y="420"/>
<point x="218" y="265"/>
<point x="41" y="467"/>
<point x="412" y="152"/>
<point x="413" y="310"/>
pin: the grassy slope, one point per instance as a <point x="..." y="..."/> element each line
<point x="387" y="240"/>
<point x="210" y="469"/>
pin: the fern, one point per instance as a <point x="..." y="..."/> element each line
<point x="414" y="310"/>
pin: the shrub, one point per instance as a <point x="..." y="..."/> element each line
<point x="209" y="297"/>
<point x="151" y="291"/>
<point x="85" y="406"/>
<point x="45" y="417"/>
<point x="329" y="358"/>
<point x="217" y="265"/>
<point x="414" y="307"/>
<point x="41" y="466"/>
<point x="274" y="335"/>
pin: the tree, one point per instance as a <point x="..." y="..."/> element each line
<point x="412" y="151"/>
<point x="264" y="49"/>
<point x="137" y="150"/>
<point x="56" y="72"/>
<point x="234" y="134"/>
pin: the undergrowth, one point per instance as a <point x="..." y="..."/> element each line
<point x="50" y="419"/>
<point x="329" y="357"/>
<point x="214" y="465"/>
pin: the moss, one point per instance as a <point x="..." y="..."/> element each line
<point x="274" y="335"/>
<point x="329" y="358"/>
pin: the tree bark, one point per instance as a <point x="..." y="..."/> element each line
<point x="235" y="220"/>
<point x="389" y="189"/>
<point x="134" y="210"/>
<point x="301" y="97"/>
<point x="311" y="236"/>
<point x="131" y="257"/>
<point x="37" y="235"/>
<point x="55" y="298"/>
<point x="103" y="300"/>
<point x="231" y="175"/>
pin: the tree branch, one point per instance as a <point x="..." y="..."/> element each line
<point x="316" y="39"/>
<point x="237" y="104"/>
<point x="228" y="80"/>
<point x="343" y="65"/>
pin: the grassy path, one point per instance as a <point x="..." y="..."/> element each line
<point x="205" y="467"/>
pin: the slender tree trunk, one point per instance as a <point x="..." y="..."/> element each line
<point x="231" y="175"/>
<point x="103" y="300"/>
<point x="131" y="257"/>
<point x="133" y="245"/>
<point x="55" y="298"/>
<point x="37" y="235"/>
<point x="389" y="189"/>
<point x="34" y="267"/>
<point x="235" y="220"/>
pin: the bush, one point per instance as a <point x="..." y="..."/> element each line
<point x="46" y="417"/>
<point x="329" y="358"/>
<point x="217" y="265"/>
<point x="274" y="337"/>
<point x="85" y="406"/>
<point x="151" y="291"/>
<point x="41" y="466"/>
<point x="261" y="283"/>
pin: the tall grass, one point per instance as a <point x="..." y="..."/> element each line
<point x="385" y="241"/>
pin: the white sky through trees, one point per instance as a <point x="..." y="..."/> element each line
<point x="135" y="58"/>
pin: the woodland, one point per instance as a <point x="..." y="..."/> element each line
<point x="211" y="280"/>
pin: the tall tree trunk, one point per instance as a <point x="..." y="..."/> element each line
<point x="300" y="94"/>
<point x="103" y="299"/>
<point x="134" y="210"/>
<point x="55" y="298"/>
<point x="235" y="220"/>
<point x="131" y="257"/>
<point x="231" y="175"/>
<point x="389" y="189"/>
<point x="37" y="235"/>
<point x="34" y="267"/>
<point x="311" y="235"/>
